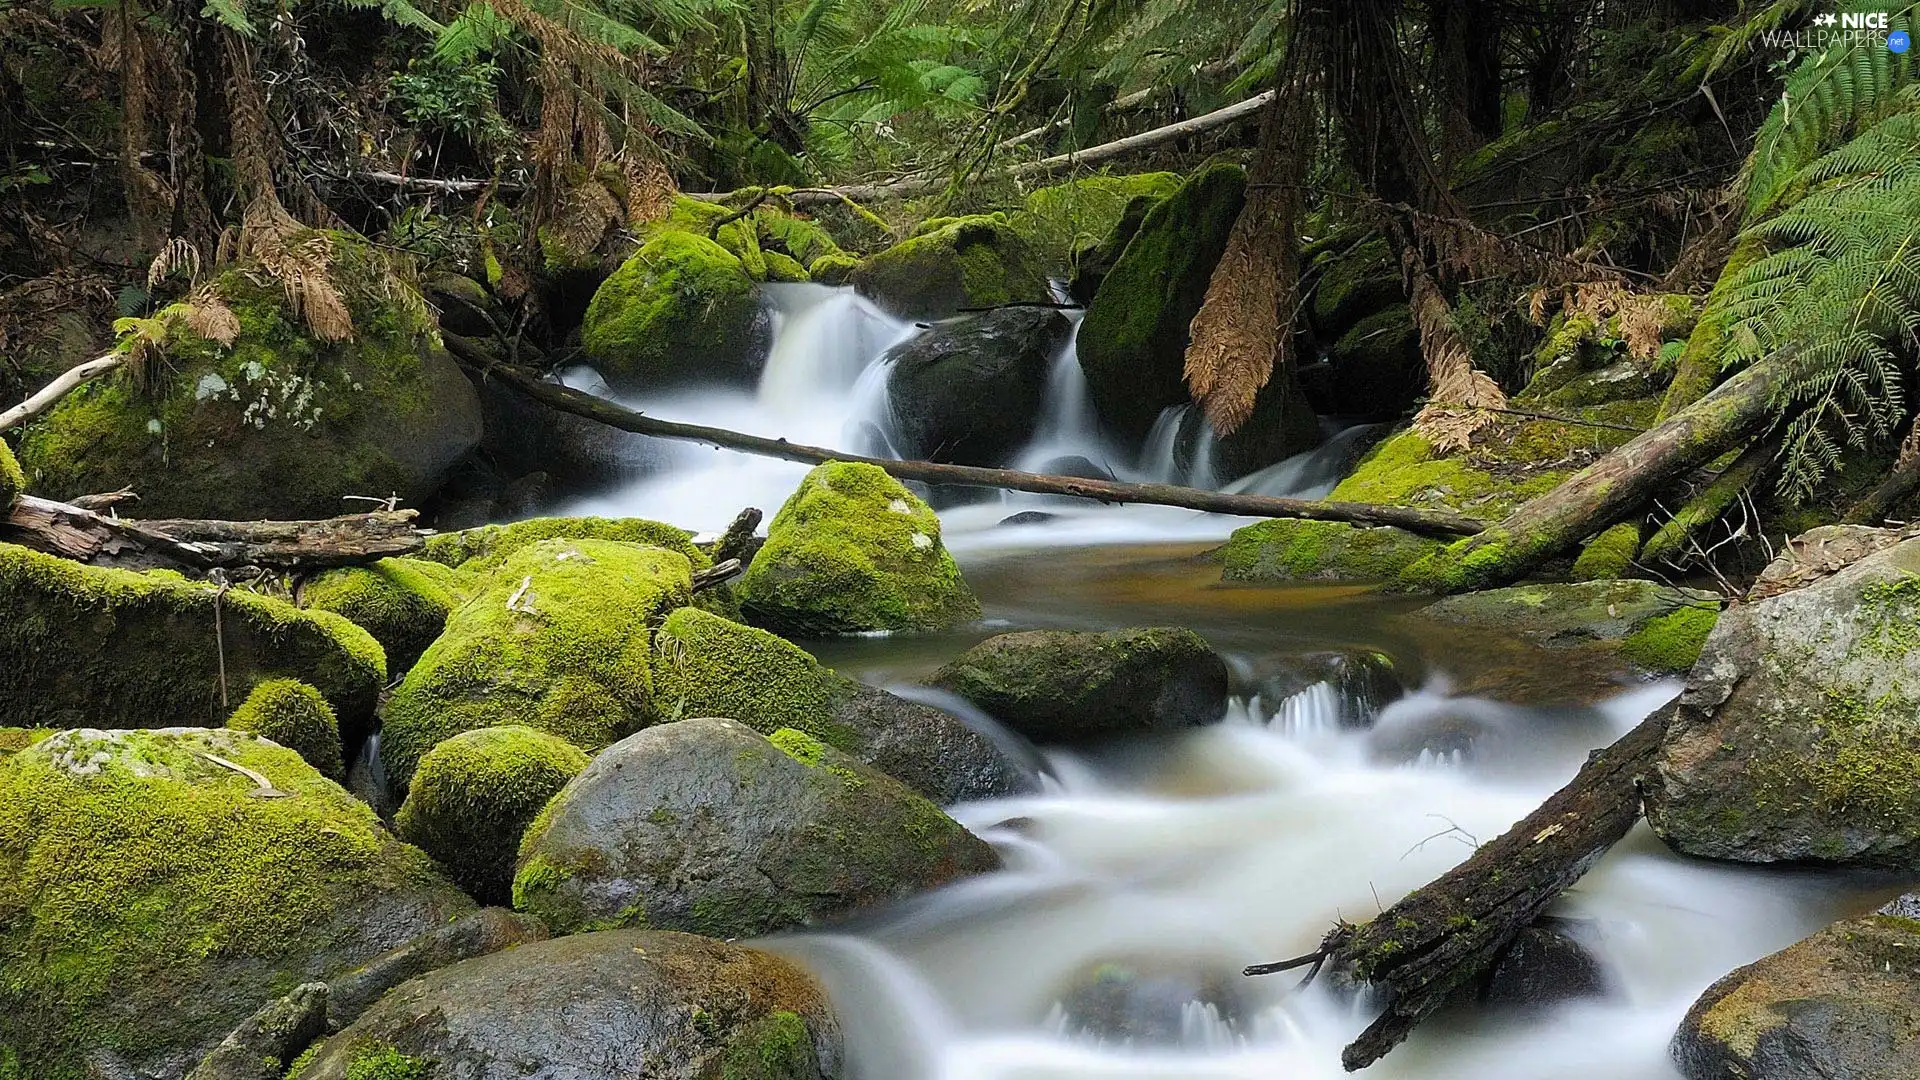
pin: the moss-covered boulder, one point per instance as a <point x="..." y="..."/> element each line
<point x="1797" y="738"/>
<point x="1659" y="628"/>
<point x="681" y="310"/>
<point x="1060" y="219"/>
<point x="705" y="665"/>
<point x="833" y="268"/>
<point x="473" y="796"/>
<point x="1353" y="283"/>
<point x="1093" y="262"/>
<point x="970" y="391"/>
<point x="607" y="1006"/>
<point x="402" y="602"/>
<point x="1133" y="341"/>
<point x="967" y="262"/>
<point x="246" y="414"/>
<point x="1068" y="685"/>
<point x="483" y="549"/>
<point x="707" y="826"/>
<point x="1291" y="549"/>
<point x="82" y="644"/>
<point x="153" y="892"/>
<point x="296" y="716"/>
<point x="12" y="481"/>
<point x="558" y="640"/>
<point x="854" y="550"/>
<point x="1843" y="1003"/>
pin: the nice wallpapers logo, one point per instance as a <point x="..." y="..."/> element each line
<point x="1845" y="28"/>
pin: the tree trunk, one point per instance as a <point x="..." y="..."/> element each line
<point x="1608" y="490"/>
<point x="579" y="403"/>
<point x="84" y="536"/>
<point x="1439" y="939"/>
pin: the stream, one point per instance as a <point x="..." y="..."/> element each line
<point x="1362" y="755"/>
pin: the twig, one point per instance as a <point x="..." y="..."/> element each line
<point x="713" y="230"/>
<point x="60" y="387"/>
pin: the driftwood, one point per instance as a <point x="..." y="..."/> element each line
<point x="582" y="404"/>
<point x="717" y="573"/>
<point x="1440" y="939"/>
<point x="60" y="387"/>
<point x="85" y="536"/>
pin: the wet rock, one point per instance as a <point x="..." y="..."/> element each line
<point x="1360" y="682"/>
<point x="1844" y="1003"/>
<point x="681" y="310"/>
<point x="954" y="264"/>
<point x="1796" y="737"/>
<point x="970" y="391"/>
<point x="1373" y="367"/>
<point x="481" y="933"/>
<point x="558" y="640"/>
<point x="853" y="550"/>
<point x="1657" y="627"/>
<point x="83" y="645"/>
<point x="634" y="1003"/>
<point x="707" y="826"/>
<point x="276" y="424"/>
<point x="1028" y="517"/>
<point x="1133" y="341"/>
<point x="463" y="304"/>
<point x="1065" y="685"/>
<point x="1282" y="425"/>
<point x="1076" y="465"/>
<point x="264" y="1043"/>
<point x="705" y="665"/>
<point x="1149" y="1002"/>
<point x="160" y="893"/>
<point x="1546" y="965"/>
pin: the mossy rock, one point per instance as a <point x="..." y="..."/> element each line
<point x="1657" y="627"/>
<point x="785" y="268"/>
<point x="82" y="644"/>
<point x="402" y="602"/>
<point x="296" y="716"/>
<point x="833" y="268"/>
<point x="1093" y="262"/>
<point x="1133" y="341"/>
<point x="1059" y="219"/>
<point x="606" y="1006"/>
<point x="853" y="550"/>
<point x="15" y="739"/>
<point x="971" y="390"/>
<point x="697" y="217"/>
<point x="1352" y="285"/>
<point x="150" y="899"/>
<point x="1796" y="740"/>
<point x="1375" y="367"/>
<point x="800" y="239"/>
<point x="474" y="795"/>
<point x="558" y="640"/>
<point x="1609" y="555"/>
<point x="705" y="825"/>
<point x="1289" y="549"/>
<point x="706" y="665"/>
<point x="13" y="482"/>
<point x="482" y="550"/>
<point x="1842" y="1003"/>
<point x="277" y="425"/>
<point x="967" y="262"/>
<point x="681" y="310"/>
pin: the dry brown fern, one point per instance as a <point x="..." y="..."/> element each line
<point x="1460" y="394"/>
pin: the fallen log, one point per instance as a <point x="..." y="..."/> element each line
<point x="1622" y="482"/>
<point x="60" y="387"/>
<point x="1438" y="940"/>
<point x="582" y="404"/>
<point x="80" y="534"/>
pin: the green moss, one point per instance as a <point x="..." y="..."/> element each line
<point x="704" y="665"/>
<point x="1862" y="766"/>
<point x="559" y="640"/>
<point x="1057" y="219"/>
<point x="149" y="899"/>
<point x="302" y="1063"/>
<point x="784" y="268"/>
<point x="1671" y="642"/>
<point x="1354" y="285"/>
<point x="483" y="550"/>
<point x="1296" y="550"/>
<point x="276" y="425"/>
<point x="473" y="796"/>
<point x="296" y="716"/>
<point x="387" y="1063"/>
<point x="83" y="645"/>
<point x="14" y="739"/>
<point x="833" y="268"/>
<point x="775" y="1047"/>
<point x="12" y="481"/>
<point x="1609" y="555"/>
<point x="854" y="550"/>
<point x="799" y="746"/>
<point x="403" y="603"/>
<point x="682" y="308"/>
<point x="968" y="262"/>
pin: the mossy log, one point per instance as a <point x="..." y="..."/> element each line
<point x="580" y="403"/>
<point x="80" y="534"/>
<point x="1609" y="490"/>
<point x="1671" y="543"/>
<point x="1422" y="951"/>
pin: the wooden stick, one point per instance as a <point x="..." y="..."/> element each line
<point x="582" y="404"/>
<point x="82" y="535"/>
<point x="60" y="387"/>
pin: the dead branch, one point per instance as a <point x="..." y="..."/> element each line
<point x="580" y="403"/>
<point x="76" y="533"/>
<point x="60" y="387"/>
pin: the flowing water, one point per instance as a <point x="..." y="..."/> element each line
<point x="1146" y="874"/>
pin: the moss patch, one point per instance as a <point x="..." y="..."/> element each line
<point x="1671" y="643"/>
<point x="88" y="645"/>
<point x="296" y="716"/>
<point x="967" y="262"/>
<point x="484" y="549"/>
<point x="474" y="795"/>
<point x="705" y="665"/>
<point x="1059" y="219"/>
<point x="559" y="640"/>
<point x="854" y="550"/>
<point x="403" y="603"/>
<point x="775" y="1047"/>
<point x="1609" y="555"/>
<point x="683" y="308"/>
<point x="12" y="480"/>
<point x="1294" y="550"/>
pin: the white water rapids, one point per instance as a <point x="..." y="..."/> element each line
<point x="1234" y="844"/>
